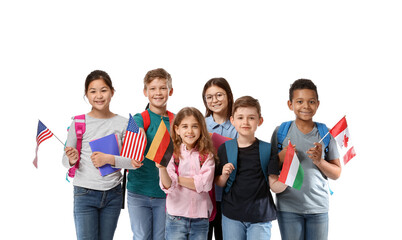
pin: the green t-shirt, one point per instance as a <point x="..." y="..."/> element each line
<point x="145" y="180"/>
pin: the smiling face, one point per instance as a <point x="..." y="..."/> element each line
<point x="246" y="120"/>
<point x="99" y="95"/>
<point x="216" y="99"/>
<point x="158" y="93"/>
<point x="189" y="131"/>
<point x="304" y="104"/>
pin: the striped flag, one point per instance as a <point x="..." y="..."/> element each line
<point x="341" y="134"/>
<point x="42" y="134"/>
<point x="134" y="142"/>
<point x="161" y="149"/>
<point x="292" y="173"/>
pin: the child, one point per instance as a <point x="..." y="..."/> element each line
<point x="188" y="178"/>
<point x="97" y="199"/>
<point x="303" y="214"/>
<point x="146" y="201"/>
<point x="218" y="101"/>
<point x="247" y="173"/>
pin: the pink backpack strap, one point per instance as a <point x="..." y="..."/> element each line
<point x="79" y="131"/>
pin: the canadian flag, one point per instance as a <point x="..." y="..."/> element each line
<point x="341" y="134"/>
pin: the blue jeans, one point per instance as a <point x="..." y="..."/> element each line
<point x="96" y="212"/>
<point x="233" y="229"/>
<point x="182" y="228"/>
<point x="303" y="226"/>
<point x="147" y="216"/>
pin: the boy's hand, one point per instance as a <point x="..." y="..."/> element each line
<point x="282" y="154"/>
<point x="315" y="153"/>
<point x="99" y="159"/>
<point x="227" y="169"/>
<point x="136" y="163"/>
<point x="72" y="155"/>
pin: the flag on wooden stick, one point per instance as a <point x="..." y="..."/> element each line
<point x="134" y="141"/>
<point x="42" y="134"/>
<point x="342" y="136"/>
<point x="292" y="173"/>
<point x="161" y="149"/>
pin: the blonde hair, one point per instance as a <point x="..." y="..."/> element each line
<point x="204" y="143"/>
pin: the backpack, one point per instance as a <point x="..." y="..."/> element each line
<point x="322" y="130"/>
<point x="232" y="152"/>
<point x="284" y="128"/>
<point x="79" y="131"/>
<point x="211" y="192"/>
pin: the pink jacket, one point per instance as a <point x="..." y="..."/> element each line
<point x="185" y="202"/>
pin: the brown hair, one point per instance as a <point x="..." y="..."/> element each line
<point x="157" y="73"/>
<point x="204" y="143"/>
<point x="96" y="75"/>
<point x="222" y="83"/>
<point x="247" y="101"/>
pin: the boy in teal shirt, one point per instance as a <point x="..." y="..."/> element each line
<point x="146" y="201"/>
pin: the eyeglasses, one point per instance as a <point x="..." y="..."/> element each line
<point x="219" y="96"/>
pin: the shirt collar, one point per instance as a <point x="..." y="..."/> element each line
<point x="211" y="122"/>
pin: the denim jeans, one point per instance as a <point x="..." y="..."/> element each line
<point x="238" y="230"/>
<point x="96" y="212"/>
<point x="303" y="226"/>
<point x="147" y="216"/>
<point x="182" y="228"/>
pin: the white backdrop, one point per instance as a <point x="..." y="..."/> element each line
<point x="350" y="49"/>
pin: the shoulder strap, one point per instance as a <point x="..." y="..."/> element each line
<point x="231" y="153"/>
<point x="265" y="155"/>
<point x="146" y="118"/>
<point x="323" y="130"/>
<point x="282" y="133"/>
<point x="171" y="116"/>
<point x="79" y="131"/>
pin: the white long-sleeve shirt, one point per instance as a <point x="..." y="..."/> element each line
<point x="87" y="175"/>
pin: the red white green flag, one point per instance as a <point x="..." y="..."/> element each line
<point x="292" y="173"/>
<point x="341" y="134"/>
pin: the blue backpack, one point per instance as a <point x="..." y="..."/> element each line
<point x="232" y="152"/>
<point x="284" y="129"/>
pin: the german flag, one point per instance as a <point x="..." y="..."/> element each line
<point x="161" y="149"/>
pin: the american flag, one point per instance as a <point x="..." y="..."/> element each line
<point x="134" y="142"/>
<point x="43" y="134"/>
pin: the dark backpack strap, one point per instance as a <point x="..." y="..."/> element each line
<point x="123" y="187"/>
<point x="323" y="130"/>
<point x="265" y="155"/>
<point x="231" y="153"/>
<point x="282" y="133"/>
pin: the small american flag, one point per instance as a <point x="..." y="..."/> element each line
<point x="43" y="134"/>
<point x="134" y="142"/>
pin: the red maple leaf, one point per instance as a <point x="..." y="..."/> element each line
<point x="345" y="141"/>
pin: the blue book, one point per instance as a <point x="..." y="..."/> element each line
<point x="109" y="145"/>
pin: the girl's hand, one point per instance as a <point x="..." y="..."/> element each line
<point x="315" y="153"/>
<point x="227" y="169"/>
<point x="99" y="159"/>
<point x="72" y="155"/>
<point x="159" y="166"/>
<point x="136" y="163"/>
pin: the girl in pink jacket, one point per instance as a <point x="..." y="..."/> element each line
<point x="188" y="177"/>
